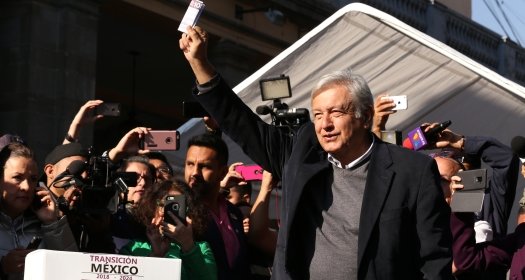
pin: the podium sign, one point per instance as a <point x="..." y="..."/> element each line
<point x="59" y="265"/>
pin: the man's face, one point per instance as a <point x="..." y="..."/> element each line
<point x="447" y="168"/>
<point x="162" y="169"/>
<point x="338" y="131"/>
<point x="202" y="165"/>
<point x="57" y="169"/>
<point x="144" y="181"/>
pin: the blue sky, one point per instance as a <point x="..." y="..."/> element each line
<point x="514" y="11"/>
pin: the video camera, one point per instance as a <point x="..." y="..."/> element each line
<point x="101" y="189"/>
<point x="275" y="89"/>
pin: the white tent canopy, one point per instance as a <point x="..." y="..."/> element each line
<point x="441" y="83"/>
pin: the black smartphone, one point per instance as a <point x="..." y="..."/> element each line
<point x="37" y="200"/>
<point x="34" y="243"/>
<point x="192" y="109"/>
<point x="161" y="140"/>
<point x="473" y="180"/>
<point x="108" y="109"/>
<point x="175" y="204"/>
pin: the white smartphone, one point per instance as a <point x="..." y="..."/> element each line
<point x="399" y="100"/>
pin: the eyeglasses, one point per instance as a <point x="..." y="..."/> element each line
<point x="146" y="178"/>
<point x="164" y="170"/>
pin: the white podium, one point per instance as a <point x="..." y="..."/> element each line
<point x="58" y="265"/>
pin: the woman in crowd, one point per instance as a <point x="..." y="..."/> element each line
<point x="25" y="212"/>
<point x="174" y="240"/>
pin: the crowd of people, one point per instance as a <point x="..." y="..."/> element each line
<point x="352" y="205"/>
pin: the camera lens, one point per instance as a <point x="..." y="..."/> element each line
<point x="169" y="140"/>
<point x="175" y="207"/>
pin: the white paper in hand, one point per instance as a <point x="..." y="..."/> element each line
<point x="192" y="15"/>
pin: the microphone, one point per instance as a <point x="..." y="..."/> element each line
<point x="74" y="169"/>
<point x="518" y="146"/>
<point x="420" y="140"/>
<point x="263" y="110"/>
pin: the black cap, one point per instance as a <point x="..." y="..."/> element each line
<point x="63" y="151"/>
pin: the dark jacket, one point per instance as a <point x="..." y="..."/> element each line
<point x="404" y="226"/>
<point x="501" y="188"/>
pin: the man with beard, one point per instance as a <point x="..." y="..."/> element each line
<point x="205" y="166"/>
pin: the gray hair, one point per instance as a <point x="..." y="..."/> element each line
<point x="356" y="86"/>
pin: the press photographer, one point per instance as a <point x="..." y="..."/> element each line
<point x="87" y="189"/>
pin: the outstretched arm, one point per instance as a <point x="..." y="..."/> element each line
<point x="82" y="118"/>
<point x="194" y="45"/>
<point x="260" y="234"/>
<point x="382" y="110"/>
<point x="129" y="144"/>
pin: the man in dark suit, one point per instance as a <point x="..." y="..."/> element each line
<point x="354" y="206"/>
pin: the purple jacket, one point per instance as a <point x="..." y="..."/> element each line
<point x="486" y="257"/>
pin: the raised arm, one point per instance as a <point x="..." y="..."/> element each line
<point x="82" y="118"/>
<point x="260" y="234"/>
<point x="194" y="43"/>
<point x="382" y="110"/>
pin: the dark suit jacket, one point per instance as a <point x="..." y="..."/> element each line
<point x="501" y="188"/>
<point x="404" y="226"/>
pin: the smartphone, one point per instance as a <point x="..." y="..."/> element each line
<point x="192" y="15"/>
<point x="157" y="140"/>
<point x="34" y="243"/>
<point x="192" y="109"/>
<point x="470" y="198"/>
<point x="175" y="204"/>
<point x="250" y="172"/>
<point x="37" y="200"/>
<point x="472" y="180"/>
<point x="399" y="100"/>
<point x="108" y="109"/>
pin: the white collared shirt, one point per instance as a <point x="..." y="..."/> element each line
<point x="358" y="160"/>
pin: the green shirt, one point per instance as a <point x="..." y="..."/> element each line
<point x="198" y="263"/>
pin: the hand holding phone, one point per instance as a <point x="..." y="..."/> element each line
<point x="250" y="172"/>
<point x="108" y="109"/>
<point x="470" y="198"/>
<point x="175" y="204"/>
<point x="34" y="243"/>
<point x="400" y="101"/>
<point x="161" y="140"/>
